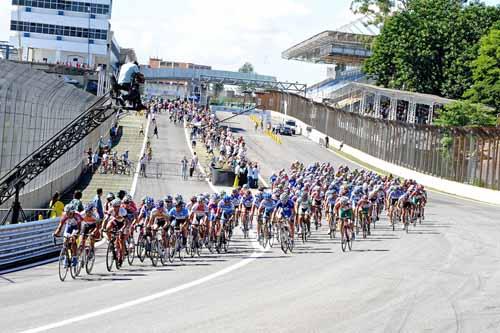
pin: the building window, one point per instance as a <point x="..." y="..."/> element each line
<point x="59" y="30"/>
<point x="75" y="6"/>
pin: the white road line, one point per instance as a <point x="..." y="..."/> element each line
<point x="149" y="298"/>
<point x="138" y="169"/>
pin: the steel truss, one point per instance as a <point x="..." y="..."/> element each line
<point x="259" y="84"/>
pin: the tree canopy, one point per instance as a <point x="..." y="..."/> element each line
<point x="429" y="45"/>
<point x="486" y="71"/>
<point x="465" y="113"/>
<point x="246" y="68"/>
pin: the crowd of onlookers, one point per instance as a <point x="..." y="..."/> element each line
<point x="231" y="149"/>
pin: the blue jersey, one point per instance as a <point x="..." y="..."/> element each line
<point x="247" y="201"/>
<point x="268" y="206"/>
<point x="183" y="214"/>
<point x="235" y="199"/>
<point x="287" y="208"/>
<point x="227" y="209"/>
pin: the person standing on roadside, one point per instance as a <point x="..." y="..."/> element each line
<point x="98" y="203"/>
<point x="194" y="163"/>
<point x="56" y="206"/>
<point x="143" y="162"/>
<point x="155" y="132"/>
<point x="184" y="168"/>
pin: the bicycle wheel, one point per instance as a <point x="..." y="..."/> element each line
<point x="284" y="241"/>
<point x="343" y="241"/>
<point x="64" y="262"/>
<point x="171" y="251"/>
<point x="365" y="228"/>
<point x="225" y="243"/>
<point x="271" y="234"/>
<point x="303" y="233"/>
<point x="141" y="248"/>
<point x="349" y="243"/>
<point x="179" y="249"/>
<point x="130" y="250"/>
<point x="110" y="256"/>
<point x="81" y="263"/>
<point x="199" y="247"/>
<point x="162" y="253"/>
<point x="189" y="245"/>
<point x="210" y="244"/>
<point x="154" y="252"/>
<point x="90" y="260"/>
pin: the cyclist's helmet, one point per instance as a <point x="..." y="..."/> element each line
<point x="127" y="199"/>
<point x="110" y="196"/>
<point x="160" y="204"/>
<point x="193" y="198"/>
<point x="246" y="187"/>
<point x="267" y="196"/>
<point x="200" y="198"/>
<point x="89" y="207"/>
<point x="284" y="198"/>
<point x="168" y="198"/>
<point x="178" y="198"/>
<point x="227" y="198"/>
<point x="365" y="197"/>
<point x="69" y="208"/>
<point x="116" y="203"/>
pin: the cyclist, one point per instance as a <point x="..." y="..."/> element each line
<point x="363" y="209"/>
<point x="266" y="209"/>
<point x="89" y="226"/>
<point x="225" y="213"/>
<point x="246" y="207"/>
<point x="158" y="219"/>
<point x="343" y="209"/>
<point x="198" y="216"/>
<point x="235" y="200"/>
<point x="303" y="210"/>
<point x="178" y="218"/>
<point x="404" y="204"/>
<point x="71" y="221"/>
<point x="117" y="225"/>
<point x="285" y="210"/>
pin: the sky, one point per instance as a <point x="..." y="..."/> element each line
<point x="223" y="33"/>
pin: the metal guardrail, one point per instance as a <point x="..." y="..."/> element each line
<point x="26" y="241"/>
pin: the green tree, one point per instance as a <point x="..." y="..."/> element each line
<point x="377" y="10"/>
<point x="246" y="68"/>
<point x="486" y="71"/>
<point x="218" y="88"/>
<point x="465" y="113"/>
<point x="429" y="46"/>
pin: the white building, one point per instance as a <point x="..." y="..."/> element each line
<point x="71" y="32"/>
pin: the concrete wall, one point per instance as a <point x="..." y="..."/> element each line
<point x="34" y="106"/>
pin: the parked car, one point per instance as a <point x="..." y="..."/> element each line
<point x="292" y="125"/>
<point x="282" y="129"/>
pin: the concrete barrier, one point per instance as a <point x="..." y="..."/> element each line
<point x="440" y="184"/>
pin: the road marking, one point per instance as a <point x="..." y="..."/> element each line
<point x="138" y="169"/>
<point x="258" y="253"/>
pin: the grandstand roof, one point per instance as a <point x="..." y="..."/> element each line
<point x="349" y="45"/>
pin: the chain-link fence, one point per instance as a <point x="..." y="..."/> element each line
<point x="466" y="155"/>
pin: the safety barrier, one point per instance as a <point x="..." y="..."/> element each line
<point x="26" y="241"/>
<point x="275" y="137"/>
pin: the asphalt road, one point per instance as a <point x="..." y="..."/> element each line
<point x="443" y="276"/>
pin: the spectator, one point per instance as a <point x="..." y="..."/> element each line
<point x="184" y="168"/>
<point x="143" y="162"/>
<point x="327" y="141"/>
<point x="77" y="200"/>
<point x="255" y="175"/>
<point x="56" y="206"/>
<point x="194" y="163"/>
<point x="242" y="174"/>
<point x="141" y="130"/>
<point x="98" y="203"/>
<point x="95" y="161"/>
<point x="155" y="132"/>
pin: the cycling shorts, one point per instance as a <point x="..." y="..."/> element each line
<point x="160" y="222"/>
<point x="394" y="201"/>
<point x="87" y="228"/>
<point x="345" y="214"/>
<point x="303" y="211"/>
<point x="70" y="230"/>
<point x="407" y="204"/>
